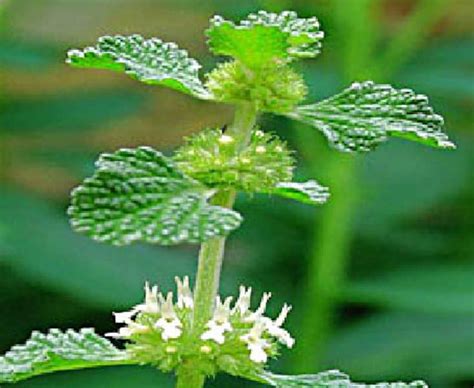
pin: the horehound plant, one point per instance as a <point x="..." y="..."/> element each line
<point x="141" y="195"/>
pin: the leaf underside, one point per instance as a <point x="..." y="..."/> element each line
<point x="265" y="37"/>
<point x="310" y="192"/>
<point x="329" y="379"/>
<point x="366" y="114"/>
<point x="139" y="195"/>
<point x="58" y="350"/>
<point x="148" y="60"/>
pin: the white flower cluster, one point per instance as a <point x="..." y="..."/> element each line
<point x="257" y="330"/>
<point x="232" y="327"/>
<point x="162" y="308"/>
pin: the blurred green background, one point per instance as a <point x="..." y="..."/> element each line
<point x="381" y="278"/>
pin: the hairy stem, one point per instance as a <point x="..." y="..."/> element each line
<point x="211" y="253"/>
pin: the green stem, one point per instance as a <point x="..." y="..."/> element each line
<point x="211" y="253"/>
<point x="209" y="268"/>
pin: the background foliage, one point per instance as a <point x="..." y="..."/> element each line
<point x="391" y="287"/>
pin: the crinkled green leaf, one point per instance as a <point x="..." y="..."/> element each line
<point x="366" y="114"/>
<point x="148" y="60"/>
<point x="330" y="379"/>
<point x="139" y="195"/>
<point x="310" y="192"/>
<point x="265" y="37"/>
<point x="58" y="350"/>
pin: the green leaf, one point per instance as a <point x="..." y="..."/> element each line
<point x="147" y="60"/>
<point x="443" y="288"/>
<point x="265" y="37"/>
<point x="57" y="351"/>
<point x="366" y="114"/>
<point x="138" y="194"/>
<point x="406" y="345"/>
<point x="310" y="192"/>
<point x="69" y="112"/>
<point x="331" y="378"/>
<point x="21" y="55"/>
<point x="71" y="263"/>
<point x="123" y="376"/>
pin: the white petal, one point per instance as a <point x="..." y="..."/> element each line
<point x="282" y="335"/>
<point x="172" y="332"/>
<point x="124" y="332"/>
<point x="185" y="296"/>
<point x="170" y="328"/>
<point x="214" y="335"/>
<point x="151" y="305"/>
<point x="257" y="353"/>
<point x="283" y="314"/>
<point x="243" y="302"/>
<point x="125" y="316"/>
<point x="263" y="303"/>
<point x="137" y="328"/>
<point x="167" y="310"/>
<point x="261" y="309"/>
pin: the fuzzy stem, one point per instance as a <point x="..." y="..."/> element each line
<point x="212" y="252"/>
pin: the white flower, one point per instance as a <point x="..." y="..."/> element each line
<point x="219" y="323"/>
<point x="226" y="139"/>
<point x="128" y="331"/>
<point x="274" y="327"/>
<point x="243" y="302"/>
<point x="151" y="305"/>
<point x="185" y="296"/>
<point x="125" y="316"/>
<point x="255" y="343"/>
<point x="257" y="314"/>
<point x="169" y="322"/>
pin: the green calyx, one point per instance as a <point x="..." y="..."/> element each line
<point x="212" y="158"/>
<point x="273" y="88"/>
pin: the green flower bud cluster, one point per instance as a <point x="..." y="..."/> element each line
<point x="235" y="340"/>
<point x="213" y="158"/>
<point x="273" y="88"/>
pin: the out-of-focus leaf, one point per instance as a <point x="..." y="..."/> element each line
<point x="310" y="192"/>
<point x="116" y="377"/>
<point x="440" y="81"/>
<point x="76" y="161"/>
<point x="265" y="37"/>
<point x="23" y="55"/>
<point x="56" y="257"/>
<point x="140" y="195"/>
<point x="331" y="378"/>
<point x="398" y="345"/>
<point x="366" y="114"/>
<point x="148" y="60"/>
<point x="419" y="179"/>
<point x="437" y="289"/>
<point x="59" y="351"/>
<point x="452" y="52"/>
<point x="71" y="112"/>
